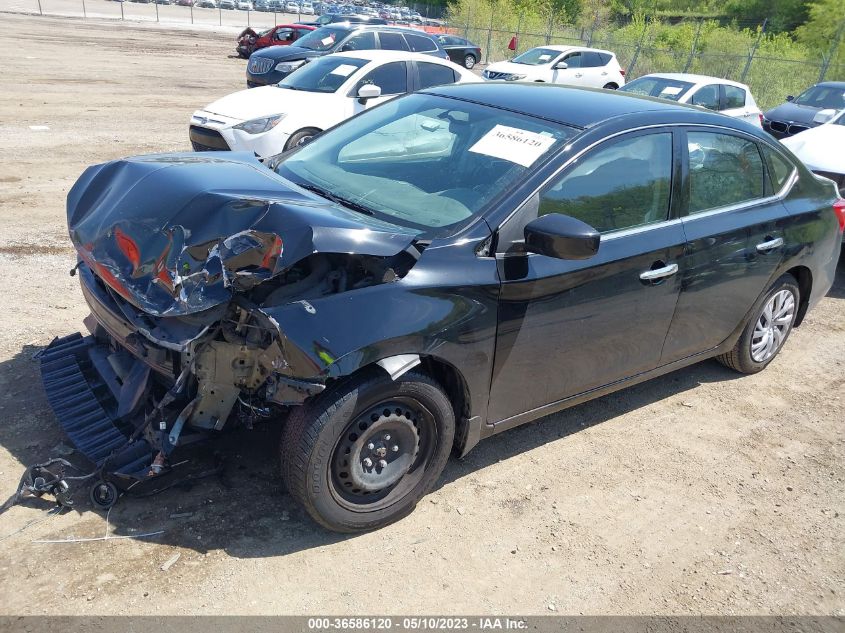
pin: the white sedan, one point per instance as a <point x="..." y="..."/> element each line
<point x="569" y="65"/>
<point x="820" y="148"/>
<point x="722" y="95"/>
<point x="322" y="93"/>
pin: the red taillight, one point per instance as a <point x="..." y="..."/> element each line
<point x="622" y="71"/>
<point x="839" y="210"/>
<point x="761" y="119"/>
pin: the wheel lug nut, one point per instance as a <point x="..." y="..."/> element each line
<point x="387" y="437"/>
<point x="371" y="446"/>
<point x="395" y="449"/>
<point x="382" y="463"/>
<point x="368" y="462"/>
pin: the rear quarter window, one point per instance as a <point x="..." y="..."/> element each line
<point x="434" y="75"/>
<point x="780" y="169"/>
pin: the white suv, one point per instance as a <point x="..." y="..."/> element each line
<point x="570" y="65"/>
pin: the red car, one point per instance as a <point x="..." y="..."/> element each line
<point x="281" y="35"/>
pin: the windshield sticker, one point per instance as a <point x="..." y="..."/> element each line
<point x="517" y="146"/>
<point x="327" y="40"/>
<point x="344" y="70"/>
<point x="545" y="58"/>
<point x="670" y="90"/>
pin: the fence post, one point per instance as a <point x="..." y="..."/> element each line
<point x="551" y="27"/>
<point x="84" y="14"/>
<point x="826" y="60"/>
<point x="247" y="18"/>
<point x="192" y="11"/>
<point x="518" y="29"/>
<point x="694" y="47"/>
<point x="156" y="3"/>
<point x="753" y="50"/>
<point x="630" y="70"/>
<point x="121" y="8"/>
<point x="593" y="28"/>
<point x="219" y="14"/>
<point x="469" y="19"/>
<point x="490" y="33"/>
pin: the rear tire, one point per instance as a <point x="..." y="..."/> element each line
<point x="767" y="330"/>
<point x="301" y="137"/>
<point x="469" y="62"/>
<point x="610" y="86"/>
<point x="361" y="455"/>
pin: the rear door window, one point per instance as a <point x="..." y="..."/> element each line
<point x="734" y="97"/>
<point x="707" y="96"/>
<point x="392" y="41"/>
<point x="434" y="75"/>
<point x="724" y="170"/>
<point x="592" y="60"/>
<point x="420" y="43"/>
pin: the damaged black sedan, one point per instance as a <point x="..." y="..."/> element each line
<point x="443" y="267"/>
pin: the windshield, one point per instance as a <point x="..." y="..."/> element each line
<point x="536" y="56"/>
<point x="424" y="161"/>
<point x="822" y="97"/>
<point x="322" y="39"/>
<point x="325" y="74"/>
<point x="671" y="89"/>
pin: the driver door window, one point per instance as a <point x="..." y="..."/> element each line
<point x="622" y="184"/>
<point x="574" y="60"/>
<point x="392" y="78"/>
<point x="365" y="41"/>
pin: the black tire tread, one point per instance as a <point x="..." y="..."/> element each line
<point x="303" y="428"/>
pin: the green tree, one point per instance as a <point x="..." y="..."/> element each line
<point x="823" y="27"/>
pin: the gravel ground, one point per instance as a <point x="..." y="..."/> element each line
<point x="699" y="492"/>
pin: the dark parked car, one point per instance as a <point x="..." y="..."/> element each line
<point x="434" y="271"/>
<point x="459" y="50"/>
<point x="799" y="113"/>
<point x="271" y="65"/>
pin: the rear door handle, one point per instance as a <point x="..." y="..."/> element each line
<point x="577" y="74"/>
<point x="769" y="245"/>
<point x="659" y="273"/>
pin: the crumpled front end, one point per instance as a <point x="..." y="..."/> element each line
<point x="183" y="260"/>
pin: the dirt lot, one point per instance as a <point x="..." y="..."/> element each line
<point x="700" y="492"/>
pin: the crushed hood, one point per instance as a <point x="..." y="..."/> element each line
<point x="181" y="233"/>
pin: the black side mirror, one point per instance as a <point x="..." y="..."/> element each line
<point x="789" y="98"/>
<point x="561" y="236"/>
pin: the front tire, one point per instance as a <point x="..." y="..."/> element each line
<point x="469" y="61"/>
<point x="361" y="455"/>
<point x="767" y="330"/>
<point x="301" y="138"/>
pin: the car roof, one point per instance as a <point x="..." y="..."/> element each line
<point x="579" y="107"/>
<point x="566" y="47"/>
<point x="832" y="84"/>
<point x="696" y="79"/>
<point x="389" y="56"/>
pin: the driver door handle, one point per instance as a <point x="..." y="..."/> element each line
<point x="577" y="74"/>
<point x="769" y="245"/>
<point x="659" y="273"/>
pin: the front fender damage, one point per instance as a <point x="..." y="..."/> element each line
<point x="183" y="280"/>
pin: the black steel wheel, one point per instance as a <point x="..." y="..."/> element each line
<point x="103" y="495"/>
<point x="360" y="456"/>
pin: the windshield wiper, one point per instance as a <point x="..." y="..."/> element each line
<point x="336" y="198"/>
